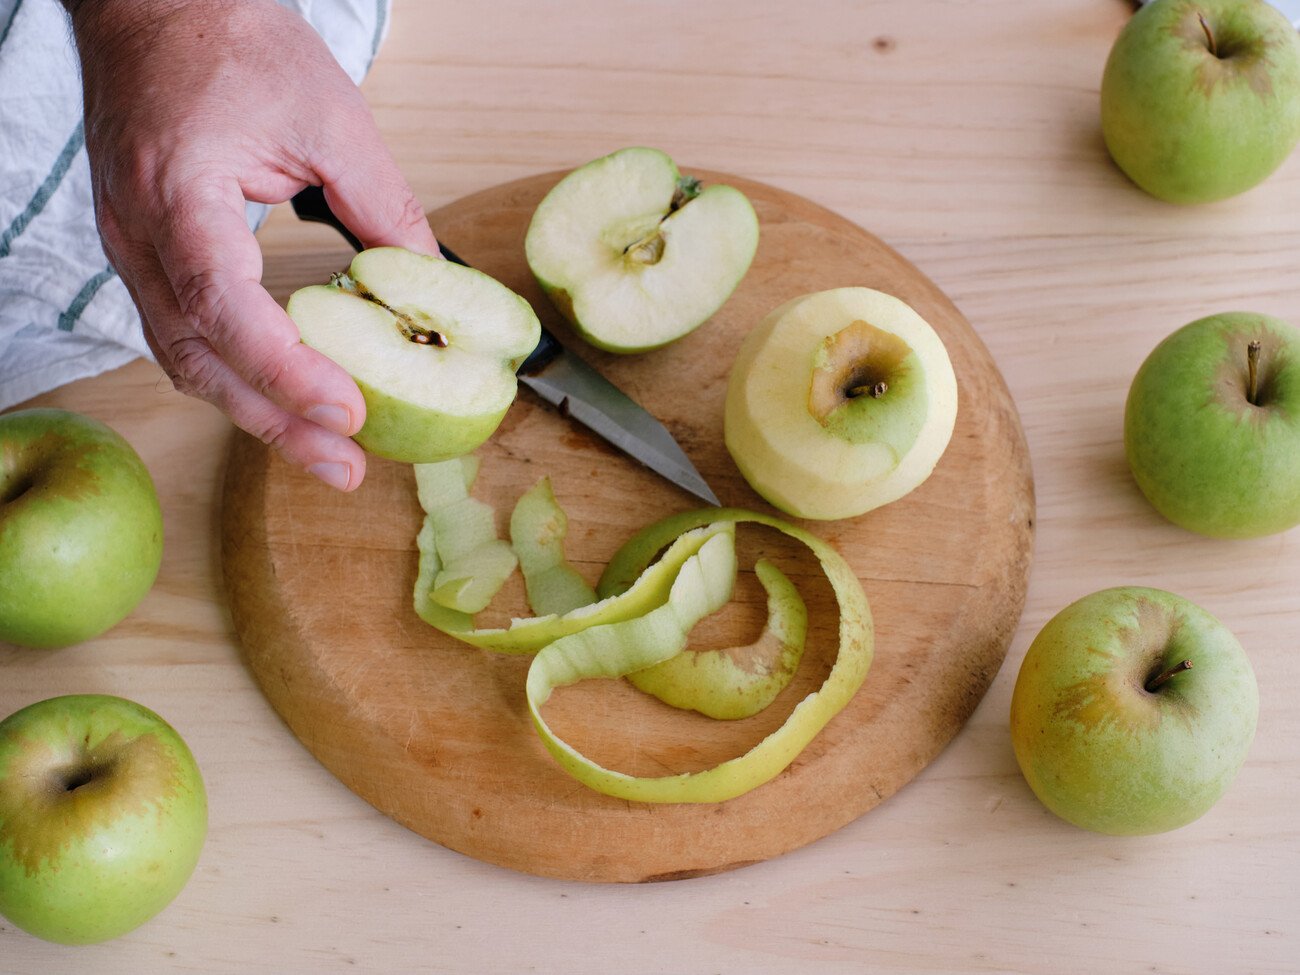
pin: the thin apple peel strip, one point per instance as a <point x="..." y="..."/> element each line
<point x="726" y="684"/>
<point x="538" y="527"/>
<point x="737" y="682"/>
<point x="528" y="635"/>
<point x="633" y="586"/>
<point x="611" y="651"/>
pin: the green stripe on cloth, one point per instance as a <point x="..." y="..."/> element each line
<point x="68" y="320"/>
<point x="46" y="189"/>
<point x="381" y="18"/>
<point x="13" y="14"/>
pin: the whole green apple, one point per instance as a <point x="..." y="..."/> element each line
<point x="80" y="528"/>
<point x="1212" y="426"/>
<point x="1133" y="711"/>
<point x="102" y="817"/>
<point x="1200" y="99"/>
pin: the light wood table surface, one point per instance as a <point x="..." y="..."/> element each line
<point x="966" y="135"/>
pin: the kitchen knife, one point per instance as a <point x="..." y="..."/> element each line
<point x="574" y="388"/>
<point x="1291" y="8"/>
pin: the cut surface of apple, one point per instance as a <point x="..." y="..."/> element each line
<point x="839" y="402"/>
<point x="432" y="345"/>
<point x="634" y="254"/>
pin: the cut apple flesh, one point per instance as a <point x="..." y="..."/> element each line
<point x="635" y="255"/>
<point x="839" y="402"/>
<point x="432" y="345"/>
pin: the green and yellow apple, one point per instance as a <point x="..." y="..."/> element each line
<point x="81" y="532"/>
<point x="1133" y="711"/>
<point x="102" y="817"/>
<point x="839" y="402"/>
<point x="1200" y="99"/>
<point x="432" y="345"/>
<point x="1212" y="426"/>
<point x="636" y="255"/>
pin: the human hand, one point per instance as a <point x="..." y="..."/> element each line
<point x="192" y="107"/>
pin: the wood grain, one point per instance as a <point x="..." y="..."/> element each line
<point x="437" y="735"/>
<point x="965" y="134"/>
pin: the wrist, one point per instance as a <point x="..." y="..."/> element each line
<point x="94" y="21"/>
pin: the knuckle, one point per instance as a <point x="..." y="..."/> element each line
<point x="272" y="429"/>
<point x="202" y="297"/>
<point x="266" y="375"/>
<point x="411" y="216"/>
<point x="195" y="370"/>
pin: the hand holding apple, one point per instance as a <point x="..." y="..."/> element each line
<point x="1133" y="711"/>
<point x="1200" y="99"/>
<point x="102" y="817"/>
<point x="433" y="346"/>
<point x="80" y="528"/>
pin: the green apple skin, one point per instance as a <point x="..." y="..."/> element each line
<point x="1205" y="456"/>
<point x="1192" y="125"/>
<point x="867" y="451"/>
<point x="102" y="817"/>
<point x="81" y="532"/>
<point x="397" y="430"/>
<point x="425" y="402"/>
<point x="1106" y="754"/>
<point x="583" y="240"/>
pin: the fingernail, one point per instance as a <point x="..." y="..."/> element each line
<point x="333" y="473"/>
<point x="331" y="417"/>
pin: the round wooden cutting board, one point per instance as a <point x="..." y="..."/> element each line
<point x="437" y="734"/>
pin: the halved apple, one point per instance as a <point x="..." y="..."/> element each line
<point x="432" y="345"/>
<point x="636" y="255"/>
<point x="839" y="402"/>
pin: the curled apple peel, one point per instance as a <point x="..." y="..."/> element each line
<point x="643" y="622"/>
<point x="737" y="682"/>
<point x="538" y="526"/>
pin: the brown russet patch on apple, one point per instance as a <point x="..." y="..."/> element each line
<point x="1230" y="59"/>
<point x="759" y="657"/>
<point x="1092" y="701"/>
<point x="858" y="356"/>
<point x="1232" y="379"/>
<point x="57" y="797"/>
<point x="21" y="466"/>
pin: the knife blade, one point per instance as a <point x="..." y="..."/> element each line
<point x="568" y="383"/>
<point x="1290" y="9"/>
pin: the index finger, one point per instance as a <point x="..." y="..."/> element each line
<point x="214" y="265"/>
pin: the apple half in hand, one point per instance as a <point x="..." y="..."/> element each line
<point x="636" y="255"/>
<point x="432" y="345"/>
<point x="839" y="402"/>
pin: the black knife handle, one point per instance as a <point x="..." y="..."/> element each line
<point x="310" y="205"/>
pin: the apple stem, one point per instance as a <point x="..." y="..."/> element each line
<point x="1155" y="683"/>
<point x="1209" y="34"/>
<point x="1252" y="371"/>
<point x="875" y="390"/>
<point x="688" y="188"/>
